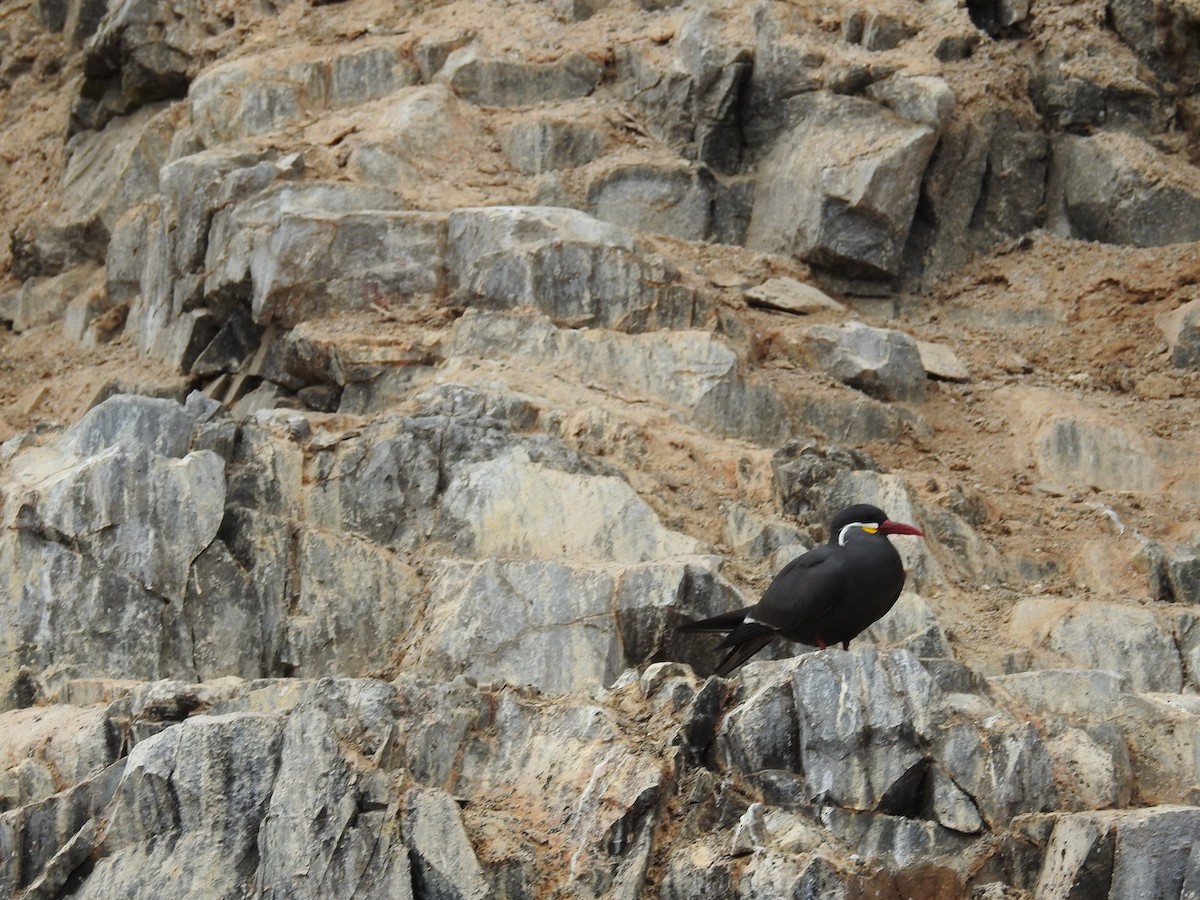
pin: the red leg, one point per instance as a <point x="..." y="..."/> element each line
<point x="845" y="645"/>
<point x="820" y="644"/>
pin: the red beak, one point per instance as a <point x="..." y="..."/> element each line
<point x="890" y="527"/>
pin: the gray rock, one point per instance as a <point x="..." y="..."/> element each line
<point x="578" y="10"/>
<point x="43" y="246"/>
<point x="353" y="603"/>
<point x="693" y="102"/>
<point x="673" y="200"/>
<point x="444" y="865"/>
<point x="543" y="144"/>
<point x="942" y="363"/>
<point x="1088" y="452"/>
<point x="1184" y="336"/>
<point x="1077" y="90"/>
<point x="848" y="416"/>
<point x="332" y="827"/>
<point x="143" y="52"/>
<point x="490" y="81"/>
<point x="884" y="31"/>
<point x="46" y="842"/>
<point x="1118" y="189"/>
<point x="265" y="92"/>
<point x="40" y="301"/>
<point x="1083" y="694"/>
<point x="305" y="251"/>
<point x="541" y="507"/>
<point x="1108" y="636"/>
<point x="790" y="295"/>
<point x="115" y="169"/>
<point x="1128" y="853"/>
<point x="835" y="201"/>
<point x="170" y="287"/>
<point x="986" y="184"/>
<point x="912" y="625"/>
<point x="839" y="765"/>
<point x="206" y="786"/>
<point x="576" y="269"/>
<point x="878" y="361"/>
<point x="93" y="507"/>
<point x="1156" y="30"/>
<point x="1000" y="765"/>
<point x="77" y="19"/>
<point x="690" y="372"/>
<point x="1089" y="774"/>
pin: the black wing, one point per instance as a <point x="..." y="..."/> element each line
<point x="803" y="592"/>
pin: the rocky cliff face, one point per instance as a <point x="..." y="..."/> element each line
<point x="385" y="383"/>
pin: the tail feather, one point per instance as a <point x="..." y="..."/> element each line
<point x="722" y="623"/>
<point x="743" y="652"/>
<point x="743" y="639"/>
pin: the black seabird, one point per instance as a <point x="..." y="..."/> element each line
<point x="827" y="596"/>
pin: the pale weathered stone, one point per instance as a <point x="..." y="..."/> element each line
<point x="1099" y="635"/>
<point x="576" y="269"/>
<point x="688" y="371"/>
<point x="491" y="81"/>
<point x="842" y="188"/>
<point x="879" y="361"/>
<point x="921" y="98"/>
<point x="1088" y="452"/>
<point x="790" y="295"/>
<point x="40" y="301"/>
<point x="265" y="92"/>
<point x="911" y="624"/>
<point x="942" y="363"/>
<point x="548" y="513"/>
<point x="672" y="200"/>
<point x="538" y="145"/>
<point x="444" y="863"/>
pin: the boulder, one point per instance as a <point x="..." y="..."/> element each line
<point x="576" y="269"/>
<point x="546" y="143"/>
<point x="1120" y="853"/>
<point x="672" y="200"/>
<point x="143" y="52"/>
<point x="881" y="362"/>
<point x="840" y="190"/>
<point x="265" y="92"/>
<point x="1087" y="451"/>
<point x="1118" y="189"/>
<point x="692" y="373"/>
<point x="492" y="81"/>
<point x="1098" y="635"/>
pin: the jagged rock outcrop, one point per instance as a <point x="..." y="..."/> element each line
<point x="515" y="336"/>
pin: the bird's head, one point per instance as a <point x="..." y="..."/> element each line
<point x="863" y="518"/>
